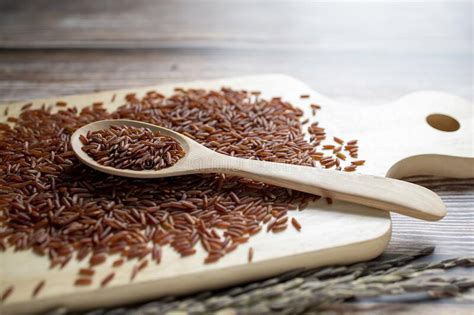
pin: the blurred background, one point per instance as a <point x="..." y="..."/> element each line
<point x="358" y="52"/>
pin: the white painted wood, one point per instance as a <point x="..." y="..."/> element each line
<point x="340" y="233"/>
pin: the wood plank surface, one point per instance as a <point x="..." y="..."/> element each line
<point x="361" y="78"/>
<point x="362" y="52"/>
<point x="452" y="236"/>
<point x="357" y="51"/>
<point x="358" y="26"/>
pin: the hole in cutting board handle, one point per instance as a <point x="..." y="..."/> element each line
<point x="443" y="122"/>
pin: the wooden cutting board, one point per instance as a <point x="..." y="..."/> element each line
<point x="395" y="139"/>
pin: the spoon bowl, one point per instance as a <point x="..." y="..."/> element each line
<point x="378" y="192"/>
<point x="193" y="150"/>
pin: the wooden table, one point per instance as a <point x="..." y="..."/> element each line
<point x="362" y="52"/>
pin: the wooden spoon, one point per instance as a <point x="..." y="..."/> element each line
<point x="378" y="192"/>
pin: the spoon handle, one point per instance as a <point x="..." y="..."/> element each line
<point x="378" y="192"/>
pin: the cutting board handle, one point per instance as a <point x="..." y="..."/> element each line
<point x="423" y="133"/>
<point x="433" y="165"/>
<point x="448" y="119"/>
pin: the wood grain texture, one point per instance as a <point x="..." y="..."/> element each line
<point x="453" y="236"/>
<point x="307" y="25"/>
<point x="364" y="53"/>
<point x="360" y="78"/>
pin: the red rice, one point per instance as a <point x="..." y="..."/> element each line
<point x="107" y="279"/>
<point x="133" y="148"/>
<point x="83" y="282"/>
<point x="87" y="272"/>
<point x="250" y="254"/>
<point x="57" y="207"/>
<point x="296" y="224"/>
<point x="8" y="291"/>
<point x="38" y="288"/>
